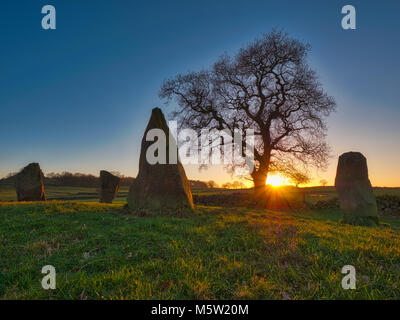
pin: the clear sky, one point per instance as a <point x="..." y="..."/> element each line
<point x="79" y="97"/>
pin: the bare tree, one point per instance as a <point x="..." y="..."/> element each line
<point x="212" y="184"/>
<point x="267" y="86"/>
<point x="238" y="185"/>
<point x="227" y="185"/>
<point x="299" y="178"/>
<point x="323" y="182"/>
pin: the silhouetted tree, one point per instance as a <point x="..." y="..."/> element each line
<point x="237" y="185"/>
<point x="197" y="184"/>
<point x="227" y="185"/>
<point x="299" y="178"/>
<point x="267" y="86"/>
<point x="69" y="179"/>
<point x="323" y="182"/>
<point x="212" y="184"/>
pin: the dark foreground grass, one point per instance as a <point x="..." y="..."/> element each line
<point x="102" y="252"/>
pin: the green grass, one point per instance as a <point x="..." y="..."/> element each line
<point x="102" y="252"/>
<point x="314" y="194"/>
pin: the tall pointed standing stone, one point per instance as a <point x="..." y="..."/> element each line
<point x="109" y="185"/>
<point x="29" y="184"/>
<point x="160" y="186"/>
<point x="356" y="197"/>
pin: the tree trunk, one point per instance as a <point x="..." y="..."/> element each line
<point x="259" y="180"/>
<point x="260" y="176"/>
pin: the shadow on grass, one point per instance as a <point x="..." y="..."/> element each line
<point x="100" y="252"/>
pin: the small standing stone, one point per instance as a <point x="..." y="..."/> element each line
<point x="29" y="184"/>
<point x="356" y="197"/>
<point x="109" y="186"/>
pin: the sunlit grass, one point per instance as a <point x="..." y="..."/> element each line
<point x="101" y="252"/>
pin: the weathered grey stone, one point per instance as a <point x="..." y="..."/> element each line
<point x="356" y="197"/>
<point x="160" y="187"/>
<point x="109" y="186"/>
<point x="29" y="184"/>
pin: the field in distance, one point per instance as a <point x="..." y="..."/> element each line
<point x="87" y="194"/>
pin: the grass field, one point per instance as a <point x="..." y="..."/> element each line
<point x="103" y="252"/>
<point x="313" y="194"/>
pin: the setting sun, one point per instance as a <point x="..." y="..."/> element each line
<point x="276" y="180"/>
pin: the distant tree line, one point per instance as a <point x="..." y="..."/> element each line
<point x="234" y="185"/>
<point x="197" y="184"/>
<point x="69" y="179"/>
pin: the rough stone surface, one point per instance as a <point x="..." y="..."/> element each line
<point x="160" y="187"/>
<point x="356" y="197"/>
<point x="29" y="184"/>
<point x="109" y="186"/>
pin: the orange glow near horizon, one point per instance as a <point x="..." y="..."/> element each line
<point x="276" y="180"/>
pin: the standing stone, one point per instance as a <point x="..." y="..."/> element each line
<point x="356" y="197"/>
<point x="109" y="186"/>
<point x="29" y="184"/>
<point x="160" y="186"/>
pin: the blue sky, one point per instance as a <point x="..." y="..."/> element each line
<point x="78" y="98"/>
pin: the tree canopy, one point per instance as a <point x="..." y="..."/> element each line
<point x="267" y="86"/>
